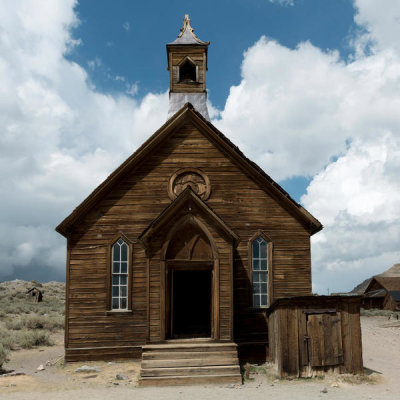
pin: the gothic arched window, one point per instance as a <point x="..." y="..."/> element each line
<point x="119" y="275"/>
<point x="259" y="272"/>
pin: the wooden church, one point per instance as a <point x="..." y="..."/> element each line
<point x="176" y="256"/>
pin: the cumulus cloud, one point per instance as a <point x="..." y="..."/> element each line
<point x="306" y="112"/>
<point x="359" y="197"/>
<point x="59" y="137"/>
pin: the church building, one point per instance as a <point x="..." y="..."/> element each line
<point x="184" y="246"/>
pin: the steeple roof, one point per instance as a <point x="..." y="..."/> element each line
<point x="187" y="36"/>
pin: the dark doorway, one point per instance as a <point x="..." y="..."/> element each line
<point x="191" y="303"/>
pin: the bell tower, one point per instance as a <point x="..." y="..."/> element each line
<point x="187" y="66"/>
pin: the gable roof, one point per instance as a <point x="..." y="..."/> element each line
<point x="186" y="197"/>
<point x="386" y="282"/>
<point x="187" y="112"/>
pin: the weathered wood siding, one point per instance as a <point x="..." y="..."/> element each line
<point x="135" y="201"/>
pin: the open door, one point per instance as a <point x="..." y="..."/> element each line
<point x="191" y="311"/>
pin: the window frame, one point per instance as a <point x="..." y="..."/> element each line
<point x="268" y="241"/>
<point x="129" y="243"/>
<point x="178" y="69"/>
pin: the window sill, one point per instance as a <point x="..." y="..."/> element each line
<point x="110" y="312"/>
<point x="259" y="309"/>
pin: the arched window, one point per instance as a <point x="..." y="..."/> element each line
<point x="187" y="72"/>
<point x="119" y="278"/>
<point x="260" y="272"/>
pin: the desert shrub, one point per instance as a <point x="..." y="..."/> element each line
<point x="46" y="322"/>
<point x="3" y="356"/>
<point x="34" y="322"/>
<point x="375" y="312"/>
<point x="54" y="323"/>
<point x="8" y="339"/>
<point x="30" y="338"/>
<point x="15" y="324"/>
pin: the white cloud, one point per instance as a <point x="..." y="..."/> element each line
<point x="132" y="88"/>
<point x="303" y="104"/>
<point x="381" y="21"/>
<point x="283" y="2"/>
<point x="95" y="63"/>
<point x="127" y="26"/>
<point x="59" y="138"/>
<point x="359" y="197"/>
<point x="295" y="112"/>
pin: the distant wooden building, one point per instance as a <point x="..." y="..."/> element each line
<point x="36" y="294"/>
<point x="187" y="239"/>
<point x="383" y="292"/>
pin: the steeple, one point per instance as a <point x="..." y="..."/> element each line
<point x="187" y="66"/>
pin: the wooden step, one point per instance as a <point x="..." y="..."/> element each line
<point x="189" y="362"/>
<point x="195" y="371"/>
<point x="190" y="380"/>
<point x="190" y="347"/>
<point x="168" y="355"/>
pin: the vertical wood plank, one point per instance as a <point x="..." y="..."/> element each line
<point x="346" y="335"/>
<point x="67" y="286"/>
<point x="302" y="338"/>
<point x="357" y="361"/>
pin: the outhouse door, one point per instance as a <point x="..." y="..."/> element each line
<point x="324" y="339"/>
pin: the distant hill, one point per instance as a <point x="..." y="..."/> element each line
<point x="393" y="271"/>
<point x="360" y="288"/>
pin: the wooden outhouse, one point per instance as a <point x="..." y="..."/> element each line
<point x="184" y="246"/>
<point x="312" y="335"/>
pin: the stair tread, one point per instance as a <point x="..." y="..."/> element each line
<point x="162" y="355"/>
<point x="205" y="345"/>
<point x="188" y="376"/>
<point x="199" y="367"/>
<point x="190" y="362"/>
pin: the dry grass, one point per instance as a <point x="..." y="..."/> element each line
<point x="25" y="324"/>
<point x="374" y="312"/>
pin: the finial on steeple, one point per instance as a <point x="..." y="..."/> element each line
<point x="186" y="34"/>
<point x="186" y="25"/>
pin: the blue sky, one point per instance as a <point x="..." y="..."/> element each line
<point x="130" y="36"/>
<point x="308" y="89"/>
<point x="125" y="41"/>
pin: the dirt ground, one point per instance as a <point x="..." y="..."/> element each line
<point x="381" y="352"/>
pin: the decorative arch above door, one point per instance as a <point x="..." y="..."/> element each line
<point x="189" y="243"/>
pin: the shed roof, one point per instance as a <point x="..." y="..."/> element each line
<point x="187" y="36"/>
